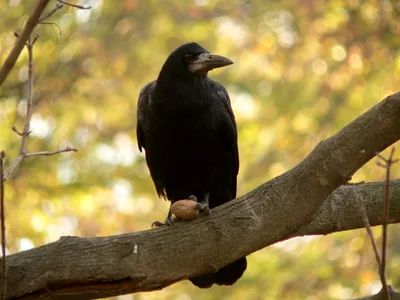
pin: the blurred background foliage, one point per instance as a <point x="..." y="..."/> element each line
<point x="303" y="70"/>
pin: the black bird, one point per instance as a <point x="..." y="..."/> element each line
<point x="187" y="127"/>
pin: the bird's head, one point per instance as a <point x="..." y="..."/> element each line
<point x="193" y="59"/>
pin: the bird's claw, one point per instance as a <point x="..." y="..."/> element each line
<point x="207" y="209"/>
<point x="157" y="224"/>
<point x="168" y="221"/>
<point x="203" y="206"/>
<point x="193" y="198"/>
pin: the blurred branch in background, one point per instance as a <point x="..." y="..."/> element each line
<point x="374" y="246"/>
<point x="25" y="133"/>
<point x="33" y="20"/>
<point x="74" y="5"/>
<point x="21" y="40"/>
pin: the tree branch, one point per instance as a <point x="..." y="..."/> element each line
<point x="48" y="153"/>
<point x="74" y="5"/>
<point x="21" y="40"/>
<point x="341" y="210"/>
<point x="75" y="266"/>
<point x="24" y="135"/>
<point x="292" y="204"/>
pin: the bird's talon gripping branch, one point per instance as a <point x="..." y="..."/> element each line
<point x="206" y="209"/>
<point x="157" y="224"/>
<point x="204" y="206"/>
<point x="168" y="221"/>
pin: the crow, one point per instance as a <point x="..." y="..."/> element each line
<point x="187" y="127"/>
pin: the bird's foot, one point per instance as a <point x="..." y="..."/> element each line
<point x="168" y="221"/>
<point x="159" y="224"/>
<point x="203" y="206"/>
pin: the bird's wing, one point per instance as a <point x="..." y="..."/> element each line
<point x="142" y="109"/>
<point x="228" y="129"/>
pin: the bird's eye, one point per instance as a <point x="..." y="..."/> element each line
<point x="189" y="56"/>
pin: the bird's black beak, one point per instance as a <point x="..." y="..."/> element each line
<point x="205" y="62"/>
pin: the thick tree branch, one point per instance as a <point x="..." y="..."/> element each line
<point x="341" y="211"/>
<point x="87" y="268"/>
<point x="76" y="266"/>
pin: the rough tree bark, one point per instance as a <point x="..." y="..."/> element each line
<point x="289" y="205"/>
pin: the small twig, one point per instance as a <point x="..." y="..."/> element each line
<point x="52" y="24"/>
<point x="48" y="153"/>
<point x="3" y="229"/>
<point x="52" y="12"/>
<point x="371" y="235"/>
<point x="17" y="132"/>
<point x="387" y="164"/>
<point x="74" y="5"/>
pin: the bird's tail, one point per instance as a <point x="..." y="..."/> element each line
<point x="227" y="275"/>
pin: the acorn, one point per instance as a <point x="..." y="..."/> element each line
<point x="185" y="209"/>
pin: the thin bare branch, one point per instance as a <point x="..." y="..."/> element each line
<point x="3" y="229"/>
<point x="372" y="238"/>
<point x="52" y="24"/>
<point x="26" y="132"/>
<point x="22" y="38"/>
<point x="52" y="12"/>
<point x="24" y="135"/>
<point x="13" y="166"/>
<point x="48" y="153"/>
<point x="74" y="5"/>
<point x="16" y="131"/>
<point x="387" y="164"/>
<point x="380" y="164"/>
<point x="30" y="95"/>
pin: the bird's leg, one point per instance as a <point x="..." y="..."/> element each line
<point x="204" y="206"/>
<point x="168" y="221"/>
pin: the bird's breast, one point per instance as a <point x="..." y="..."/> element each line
<point x="191" y="137"/>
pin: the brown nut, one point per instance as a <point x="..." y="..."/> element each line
<point x="185" y="209"/>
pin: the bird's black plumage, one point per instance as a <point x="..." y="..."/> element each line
<point x="187" y="127"/>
